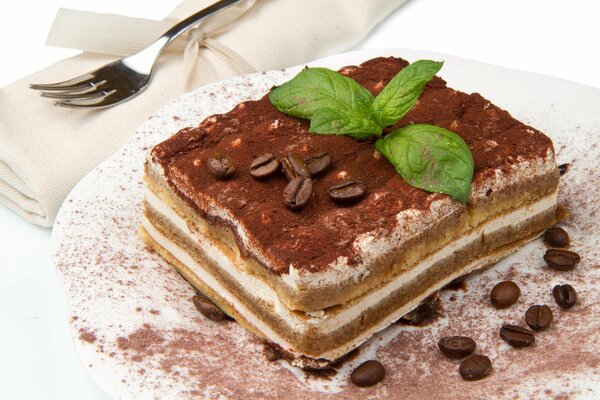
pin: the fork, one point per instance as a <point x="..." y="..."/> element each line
<point x="123" y="79"/>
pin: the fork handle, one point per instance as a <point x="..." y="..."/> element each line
<point x="184" y="25"/>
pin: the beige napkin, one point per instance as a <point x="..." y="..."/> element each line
<point x="45" y="150"/>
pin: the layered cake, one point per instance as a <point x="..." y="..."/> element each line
<point x="319" y="281"/>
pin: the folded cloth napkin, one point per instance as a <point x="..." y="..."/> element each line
<point x="45" y="150"/>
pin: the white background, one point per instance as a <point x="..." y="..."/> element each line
<point x="37" y="358"/>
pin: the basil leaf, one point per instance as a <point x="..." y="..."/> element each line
<point x="336" y="100"/>
<point x="316" y="88"/>
<point x="337" y="121"/>
<point x="430" y="158"/>
<point x="403" y="91"/>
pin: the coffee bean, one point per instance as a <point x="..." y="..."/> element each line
<point x="556" y="237"/>
<point x="538" y="317"/>
<point x="456" y="347"/>
<point x="561" y="260"/>
<point x="505" y="294"/>
<point x="475" y="367"/>
<point x="563" y="168"/>
<point x="294" y="166"/>
<point x="565" y="296"/>
<point x="516" y="336"/>
<point x="368" y="373"/>
<point x="208" y="309"/>
<point x="318" y="163"/>
<point x="222" y="167"/>
<point x="264" y="166"/>
<point x="346" y="192"/>
<point x="298" y="192"/>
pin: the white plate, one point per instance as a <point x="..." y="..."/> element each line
<point x="140" y="336"/>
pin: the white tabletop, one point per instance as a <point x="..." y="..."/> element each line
<point x="37" y="357"/>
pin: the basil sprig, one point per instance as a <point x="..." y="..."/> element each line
<point x="336" y="104"/>
<point x="426" y="156"/>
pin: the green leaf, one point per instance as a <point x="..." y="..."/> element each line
<point x="336" y="121"/>
<point x="339" y="103"/>
<point x="403" y="91"/>
<point x="430" y="158"/>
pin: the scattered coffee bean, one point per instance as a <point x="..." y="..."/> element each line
<point x="264" y="166"/>
<point x="208" y="309"/>
<point x="475" y="367"/>
<point x="346" y="192"/>
<point x="561" y="260"/>
<point x="565" y="296"/>
<point x="563" y="168"/>
<point x="456" y="347"/>
<point x="505" y="294"/>
<point x="270" y="353"/>
<point x="368" y="373"/>
<point x="298" y="192"/>
<point x="318" y="163"/>
<point x="517" y="336"/>
<point x="556" y="237"/>
<point x="294" y="166"/>
<point x="222" y="167"/>
<point x="538" y="317"/>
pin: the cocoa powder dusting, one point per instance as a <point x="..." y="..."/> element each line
<point x="86" y="336"/>
<point x="143" y="342"/>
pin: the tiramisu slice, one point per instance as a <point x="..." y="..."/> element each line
<point x="319" y="281"/>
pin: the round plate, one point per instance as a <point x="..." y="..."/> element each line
<point x="139" y="335"/>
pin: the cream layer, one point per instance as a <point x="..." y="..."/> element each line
<point x="326" y="321"/>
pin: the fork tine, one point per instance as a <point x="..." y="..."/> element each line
<point x="95" y="101"/>
<point x="90" y="90"/>
<point x="98" y="92"/>
<point x="81" y="81"/>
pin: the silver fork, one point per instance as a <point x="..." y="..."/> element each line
<point x="123" y="79"/>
